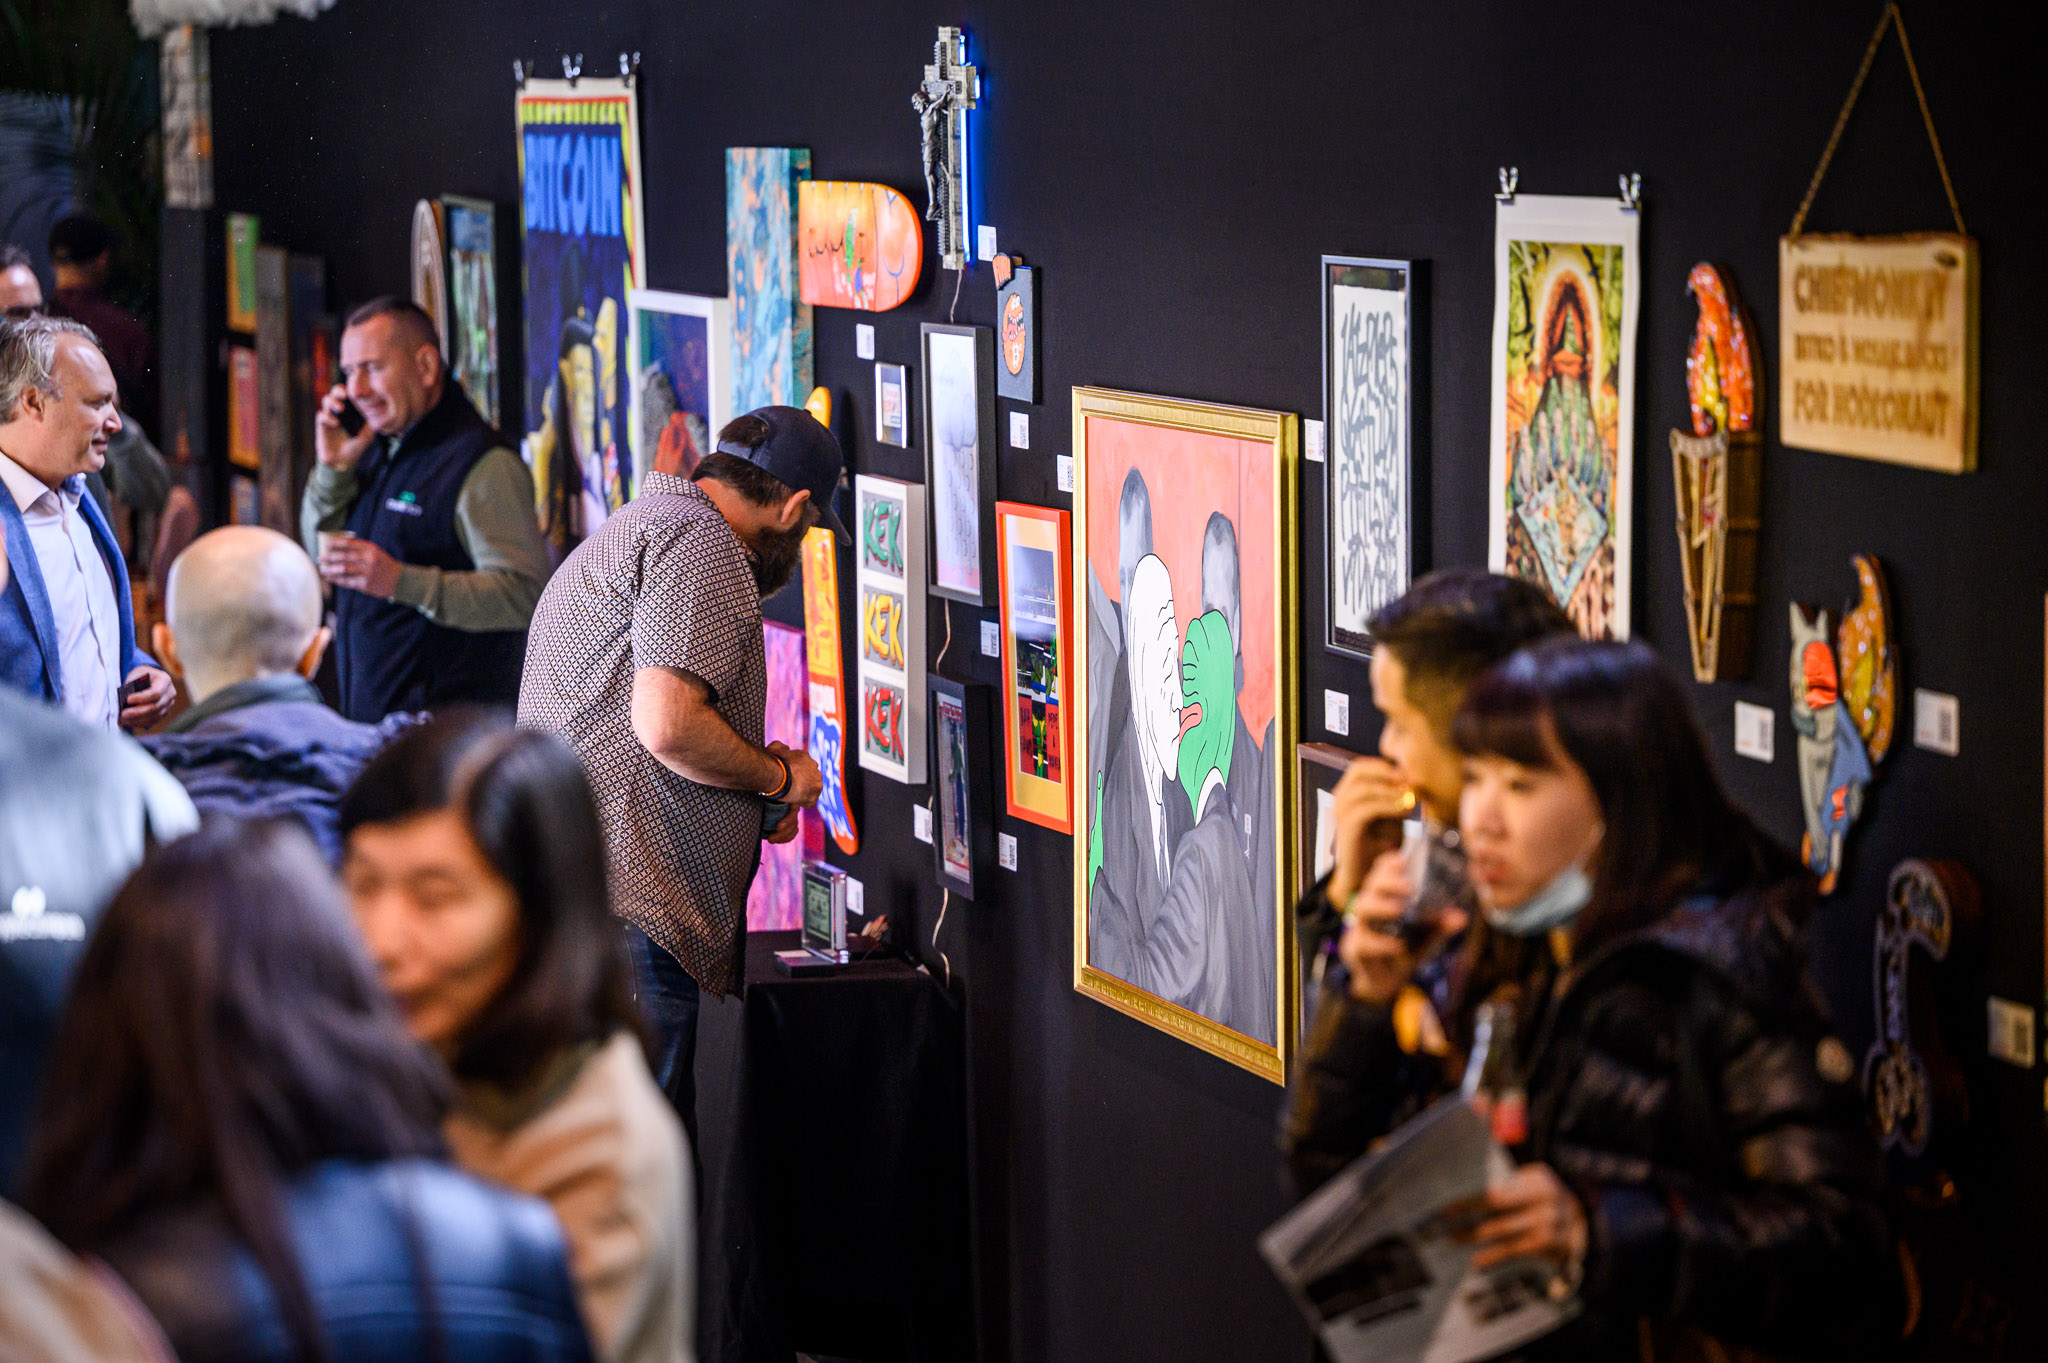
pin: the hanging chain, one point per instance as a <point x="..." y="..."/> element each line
<point x="1891" y="17"/>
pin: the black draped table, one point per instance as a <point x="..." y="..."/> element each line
<point x="832" y="1131"/>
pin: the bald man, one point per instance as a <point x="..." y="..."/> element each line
<point x="242" y="632"/>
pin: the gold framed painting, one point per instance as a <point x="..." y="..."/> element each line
<point x="1184" y="545"/>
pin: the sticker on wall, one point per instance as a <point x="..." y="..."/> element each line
<point x="858" y="245"/>
<point x="1566" y="285"/>
<point x="889" y="568"/>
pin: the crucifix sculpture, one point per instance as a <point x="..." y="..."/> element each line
<point x="949" y="89"/>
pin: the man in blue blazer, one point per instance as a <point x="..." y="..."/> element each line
<point x="67" y="625"/>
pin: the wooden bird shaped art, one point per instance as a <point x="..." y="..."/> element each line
<point x="1845" y="686"/>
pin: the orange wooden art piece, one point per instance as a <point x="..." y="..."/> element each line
<point x="858" y="245"/>
<point x="1716" y="470"/>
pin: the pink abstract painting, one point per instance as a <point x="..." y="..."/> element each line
<point x="775" y="903"/>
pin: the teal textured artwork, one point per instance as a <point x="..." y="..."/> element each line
<point x="771" y="325"/>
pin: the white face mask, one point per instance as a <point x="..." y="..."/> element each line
<point x="1554" y="905"/>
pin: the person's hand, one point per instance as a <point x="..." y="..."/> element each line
<point x="806" y="782"/>
<point x="352" y="562"/>
<point x="335" y="447"/>
<point x="785" y="830"/>
<point x="1379" y="961"/>
<point x="152" y="702"/>
<point x="1532" y="1215"/>
<point x="1370" y="801"/>
<point x="1208" y="683"/>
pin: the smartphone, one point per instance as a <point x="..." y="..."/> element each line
<point x="351" y="418"/>
<point x="130" y="690"/>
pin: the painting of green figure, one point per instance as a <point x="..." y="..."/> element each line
<point x="771" y="324"/>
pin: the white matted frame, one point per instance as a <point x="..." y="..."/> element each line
<point x="715" y="314"/>
<point x="1567" y="284"/>
<point x="960" y="459"/>
<point x="889" y="544"/>
<point x="1369" y="439"/>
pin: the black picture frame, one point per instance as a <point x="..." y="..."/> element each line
<point x="939" y="526"/>
<point x="1343" y="631"/>
<point x="963" y="799"/>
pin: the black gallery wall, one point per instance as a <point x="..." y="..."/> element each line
<point x="1175" y="170"/>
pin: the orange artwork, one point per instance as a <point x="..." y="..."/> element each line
<point x="858" y="245"/>
<point x="827" y="698"/>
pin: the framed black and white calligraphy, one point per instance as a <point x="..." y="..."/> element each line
<point x="1369" y="519"/>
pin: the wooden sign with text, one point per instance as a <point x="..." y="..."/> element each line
<point x="1877" y="348"/>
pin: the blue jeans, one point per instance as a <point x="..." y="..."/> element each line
<point x="668" y="1001"/>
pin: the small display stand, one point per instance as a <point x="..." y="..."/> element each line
<point x="824" y="946"/>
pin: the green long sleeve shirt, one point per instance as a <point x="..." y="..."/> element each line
<point x="494" y="519"/>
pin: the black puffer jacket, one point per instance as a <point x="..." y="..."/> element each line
<point x="1685" y="1082"/>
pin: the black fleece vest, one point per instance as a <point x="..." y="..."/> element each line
<point x="390" y="656"/>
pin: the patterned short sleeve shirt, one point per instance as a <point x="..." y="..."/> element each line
<point x="663" y="583"/>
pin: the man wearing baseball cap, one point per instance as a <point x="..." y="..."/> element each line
<point x="645" y="653"/>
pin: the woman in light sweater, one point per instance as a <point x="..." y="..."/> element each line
<point x="476" y="867"/>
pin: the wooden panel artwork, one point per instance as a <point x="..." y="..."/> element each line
<point x="1877" y="347"/>
<point x="1717" y="473"/>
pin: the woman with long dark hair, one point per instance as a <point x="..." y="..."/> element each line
<point x="239" y="1125"/>
<point x="476" y="867"/>
<point x="1692" y="1153"/>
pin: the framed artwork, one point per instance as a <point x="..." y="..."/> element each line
<point x="890" y="661"/>
<point x="960" y="459"/>
<point x="584" y="247"/>
<point x="892" y="405"/>
<point x="961" y="822"/>
<point x="473" y="299"/>
<point x="1317" y="769"/>
<point x="244" y="500"/>
<point x="245" y="410"/>
<point x="1184" y="538"/>
<point x="680" y="346"/>
<point x="772" y="358"/>
<point x="827" y="740"/>
<point x="242" y="233"/>
<point x="1034" y="549"/>
<point x="775" y="901"/>
<point x="858" y="245"/>
<point x="277" y="489"/>
<point x="1566" y="291"/>
<point x="430" y="265"/>
<point x="1017" y="319"/>
<point x="1368" y="425"/>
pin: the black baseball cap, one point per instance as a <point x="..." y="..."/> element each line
<point x="802" y="454"/>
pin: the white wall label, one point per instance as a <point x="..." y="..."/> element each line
<point x="1756" y="731"/>
<point x="991" y="639"/>
<point x="921" y="822"/>
<point x="1006" y="851"/>
<point x="2012" y="1032"/>
<point x="1337" y="712"/>
<point x="986" y="239"/>
<point x="1063" y="467"/>
<point x="1937" y="722"/>
<point x="1312" y="441"/>
<point x="1020" y="431"/>
<point x="856" y="897"/>
<point x="864" y="340"/>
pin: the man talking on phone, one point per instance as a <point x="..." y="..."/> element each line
<point x="422" y="518"/>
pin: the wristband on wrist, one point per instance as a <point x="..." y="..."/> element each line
<point x="782" y="788"/>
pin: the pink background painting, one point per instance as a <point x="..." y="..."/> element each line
<point x="776" y="901"/>
<point x="1191" y="474"/>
